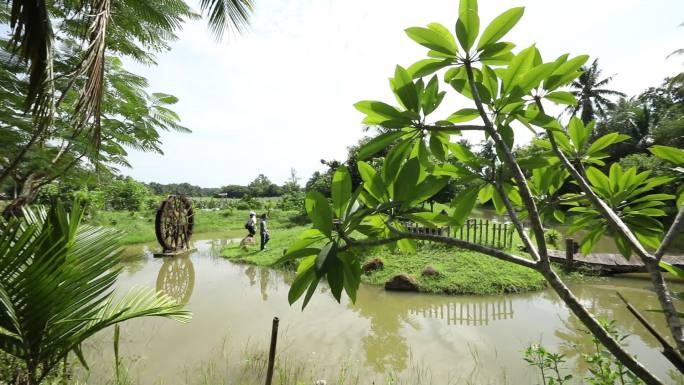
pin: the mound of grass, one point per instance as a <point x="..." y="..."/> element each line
<point x="460" y="271"/>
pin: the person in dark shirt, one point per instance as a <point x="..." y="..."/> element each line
<point x="263" y="232"/>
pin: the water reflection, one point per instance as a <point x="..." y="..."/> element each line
<point x="385" y="347"/>
<point x="468" y="313"/>
<point x="268" y="279"/>
<point x="176" y="278"/>
<point x="386" y="332"/>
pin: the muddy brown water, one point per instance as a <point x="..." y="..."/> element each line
<point x="476" y="339"/>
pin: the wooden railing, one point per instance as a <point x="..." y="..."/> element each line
<point x="480" y="231"/>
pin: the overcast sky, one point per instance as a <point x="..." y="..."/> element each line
<point x="281" y="96"/>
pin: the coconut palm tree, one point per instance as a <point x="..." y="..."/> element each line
<point x="592" y="98"/>
<point x="56" y="289"/>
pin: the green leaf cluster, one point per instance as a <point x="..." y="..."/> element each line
<point x="629" y="194"/>
<point x="57" y="288"/>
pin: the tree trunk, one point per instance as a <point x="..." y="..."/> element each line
<point x="596" y="329"/>
<point x="665" y="299"/>
<point x="28" y="194"/>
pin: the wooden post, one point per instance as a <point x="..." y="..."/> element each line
<point x="510" y="237"/>
<point x="480" y="226"/>
<point x="468" y="230"/>
<point x="498" y="242"/>
<point x="272" y="352"/>
<point x="487" y="232"/>
<point x="569" y="253"/>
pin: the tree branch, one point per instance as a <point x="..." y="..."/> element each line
<point x="496" y="253"/>
<point x="517" y="222"/>
<point x="467" y="127"/>
<point x="650" y="262"/>
<point x="510" y="161"/>
<point x="674" y="230"/>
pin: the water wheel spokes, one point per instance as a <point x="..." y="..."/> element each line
<point x="174" y="223"/>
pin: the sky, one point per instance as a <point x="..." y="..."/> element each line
<point x="281" y="95"/>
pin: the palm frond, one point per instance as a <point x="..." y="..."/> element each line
<point x="89" y="104"/>
<point x="600" y="91"/>
<point x="33" y="39"/>
<point x="676" y="52"/>
<point x="226" y="15"/>
<point x="57" y="287"/>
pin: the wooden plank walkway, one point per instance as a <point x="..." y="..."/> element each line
<point x="607" y="263"/>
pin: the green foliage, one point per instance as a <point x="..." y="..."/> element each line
<point x="550" y="365"/>
<point x="292" y="201"/>
<point x="125" y="194"/>
<point x="263" y="187"/>
<point x="576" y="144"/>
<point x="601" y="366"/>
<point x="552" y="237"/>
<point x="604" y="368"/>
<point x="629" y="194"/>
<point x="56" y="289"/>
<point x="507" y="88"/>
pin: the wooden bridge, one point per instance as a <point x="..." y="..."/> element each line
<point x="468" y="314"/>
<point x="608" y="263"/>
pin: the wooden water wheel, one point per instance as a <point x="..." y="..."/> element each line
<point x="174" y="223"/>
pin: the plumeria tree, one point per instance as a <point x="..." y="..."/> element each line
<point x="507" y="90"/>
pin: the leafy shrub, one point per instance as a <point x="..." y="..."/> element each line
<point x="126" y="194"/>
<point x="602" y="367"/>
<point x="292" y="201"/>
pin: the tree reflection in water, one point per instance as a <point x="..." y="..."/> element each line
<point x="176" y="278"/>
<point x="385" y="346"/>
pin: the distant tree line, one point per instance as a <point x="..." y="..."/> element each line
<point x="260" y="187"/>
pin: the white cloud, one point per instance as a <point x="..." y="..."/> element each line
<point x="281" y="96"/>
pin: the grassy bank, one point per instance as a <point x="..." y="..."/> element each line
<point x="138" y="226"/>
<point x="460" y="271"/>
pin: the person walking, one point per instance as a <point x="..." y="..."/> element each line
<point x="251" y="224"/>
<point x="263" y="232"/>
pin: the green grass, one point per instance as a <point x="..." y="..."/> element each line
<point x="461" y="271"/>
<point x="280" y="240"/>
<point x="138" y="226"/>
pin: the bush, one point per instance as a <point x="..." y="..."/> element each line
<point x="126" y="194"/>
<point x="292" y="201"/>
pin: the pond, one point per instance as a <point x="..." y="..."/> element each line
<point x="449" y="339"/>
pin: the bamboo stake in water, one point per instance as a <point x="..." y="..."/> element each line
<point x="272" y="352"/>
